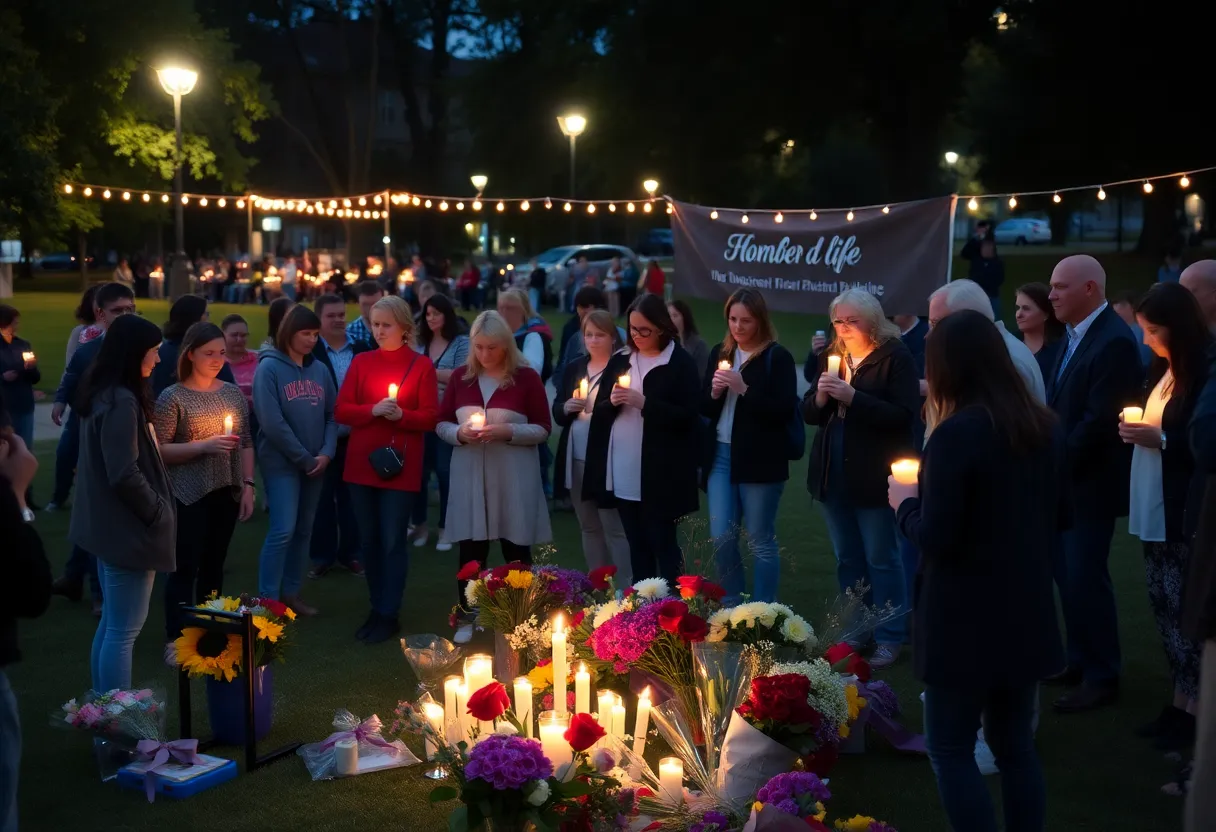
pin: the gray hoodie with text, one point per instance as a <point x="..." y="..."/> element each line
<point x="295" y="410"/>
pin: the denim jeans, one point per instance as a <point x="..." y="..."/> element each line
<point x="204" y="530"/>
<point x="750" y="507"/>
<point x="23" y="426"/>
<point x="293" y="499"/>
<point x="654" y="547"/>
<point x="952" y="717"/>
<point x="382" y="514"/>
<point x="128" y="594"/>
<point x="1087" y="597"/>
<point x="335" y="530"/>
<point x="10" y="755"/>
<point x="867" y="549"/>
<point x="81" y="563"/>
<point x="66" y="453"/>
<point x="437" y="460"/>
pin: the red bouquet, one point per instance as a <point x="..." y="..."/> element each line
<point x="778" y="706"/>
<point x="845" y="660"/>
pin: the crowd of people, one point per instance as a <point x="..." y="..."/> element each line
<point x="1027" y="458"/>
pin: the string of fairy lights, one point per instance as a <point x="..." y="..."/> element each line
<point x="376" y="205"/>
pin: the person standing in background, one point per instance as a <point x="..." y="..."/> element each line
<point x="1124" y="305"/>
<point x="18" y="374"/>
<point x="1041" y="331"/>
<point x="586" y="300"/>
<point x="690" y="339"/>
<point x="1171" y="270"/>
<point x="1199" y="279"/>
<point x="185" y="312"/>
<point x="536" y="283"/>
<point x="576" y="277"/>
<point x="124" y="275"/>
<point x="913" y="330"/>
<point x="242" y="361"/>
<point x="86" y="328"/>
<point x="655" y="280"/>
<point x="279" y="307"/>
<point x="290" y="273"/>
<point x="1097" y="373"/>
<point x="360" y="329"/>
<point x="612" y="287"/>
<point x="629" y="283"/>
<point x="987" y="269"/>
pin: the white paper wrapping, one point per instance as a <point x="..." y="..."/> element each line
<point x="749" y="760"/>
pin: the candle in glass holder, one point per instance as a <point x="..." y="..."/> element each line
<point x="559" y="666"/>
<point x="392" y="391"/>
<point x="434" y="715"/>
<point x="523" y="704"/>
<point x="27" y="357"/>
<point x="228" y="424"/>
<point x="477" y="420"/>
<point x="724" y="364"/>
<point x="671" y="780"/>
<point x="1133" y="415"/>
<point x="451" y="686"/>
<point x="623" y="381"/>
<point x="834" y="365"/>
<point x="582" y="690"/>
<point x="905" y="471"/>
<point x="552" y="728"/>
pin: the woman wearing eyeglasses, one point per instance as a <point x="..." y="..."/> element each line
<point x="865" y="412"/>
<point x="642" y="443"/>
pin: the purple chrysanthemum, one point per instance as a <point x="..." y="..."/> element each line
<point x="785" y="791"/>
<point x="507" y="762"/>
<point x="879" y="826"/>
<point x="571" y="587"/>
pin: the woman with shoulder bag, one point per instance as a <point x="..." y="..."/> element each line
<point x="390" y="400"/>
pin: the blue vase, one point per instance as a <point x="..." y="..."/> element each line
<point x="226" y="707"/>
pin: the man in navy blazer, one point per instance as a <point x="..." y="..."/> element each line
<point x="1096" y="373"/>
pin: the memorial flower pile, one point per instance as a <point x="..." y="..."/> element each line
<point x="798" y="793"/>
<point x="757" y="622"/>
<point x="203" y="652"/>
<point x="121" y="715"/>
<point x="517" y="600"/>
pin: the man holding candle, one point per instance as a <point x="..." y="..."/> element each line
<point x="1097" y="373"/>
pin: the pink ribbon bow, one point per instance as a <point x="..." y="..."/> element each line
<point x="367" y="731"/>
<point x="183" y="751"/>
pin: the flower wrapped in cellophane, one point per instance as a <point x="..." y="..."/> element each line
<point x="335" y="757"/>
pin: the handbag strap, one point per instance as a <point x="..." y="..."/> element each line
<point x="401" y="386"/>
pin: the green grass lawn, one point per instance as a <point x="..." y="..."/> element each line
<point x="1099" y="776"/>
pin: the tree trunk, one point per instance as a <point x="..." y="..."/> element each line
<point x="1160" y="227"/>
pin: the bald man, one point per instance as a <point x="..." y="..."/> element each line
<point x="1096" y="374"/>
<point x="1199" y="278"/>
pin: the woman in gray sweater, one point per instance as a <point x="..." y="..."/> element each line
<point x="124" y="512"/>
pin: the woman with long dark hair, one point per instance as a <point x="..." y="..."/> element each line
<point x="203" y="427"/>
<point x="275" y="313"/>
<point x="985" y="516"/>
<point x="124" y="512"/>
<point x="86" y="328"/>
<point x="1036" y="319"/>
<point x="689" y="337"/>
<point x="748" y="399"/>
<point x="185" y="312"/>
<point x="1166" y="489"/>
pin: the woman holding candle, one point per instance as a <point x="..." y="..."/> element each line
<point x="748" y="401"/>
<point x="690" y="339"/>
<point x="202" y="425"/>
<point x="604" y="541"/>
<point x="1036" y="319"/>
<point x="389" y="399"/>
<point x="864" y="403"/>
<point x="643" y="440"/>
<point x="496" y="491"/>
<point x="984" y="591"/>
<point x="1166" y="489"/>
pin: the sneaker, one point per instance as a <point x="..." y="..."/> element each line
<point x="355" y="568"/>
<point x="443" y="546"/>
<point x="300" y="607"/>
<point x="321" y="570"/>
<point x="419" y="536"/>
<point x="464" y="633"/>
<point x="884" y="656"/>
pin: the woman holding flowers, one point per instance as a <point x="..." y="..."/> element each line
<point x="748" y="401"/>
<point x="985" y="588"/>
<point x="494" y="414"/>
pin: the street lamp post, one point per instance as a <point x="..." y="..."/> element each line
<point x="178" y="82"/>
<point x="572" y="125"/>
<point x="480" y="180"/>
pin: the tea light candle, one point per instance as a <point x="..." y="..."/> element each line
<point x="559" y="667"/>
<point x="27" y="357"/>
<point x="834" y="365"/>
<point x="450" y="687"/>
<point x="582" y="690"/>
<point x="392" y="391"/>
<point x="347" y="757"/>
<point x="671" y="780"/>
<point x="618" y="719"/>
<point x="584" y="387"/>
<point x="1133" y="415"/>
<point x="228" y="424"/>
<point x="642" y="724"/>
<point x="477" y="419"/>
<point x="623" y="381"/>
<point x="523" y="704"/>
<point x="723" y="365"/>
<point x="434" y="715"/>
<point x="905" y="471"/>
<point x="552" y="727"/>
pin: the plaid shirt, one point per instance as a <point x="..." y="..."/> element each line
<point x="357" y="330"/>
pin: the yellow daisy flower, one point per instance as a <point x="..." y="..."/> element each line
<point x="855" y="701"/>
<point x="518" y="579"/>
<point x="267" y="629"/>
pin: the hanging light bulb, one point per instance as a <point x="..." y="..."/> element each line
<point x="147" y="197"/>
<point x="646" y="208"/>
<point x="500" y="207"/>
<point x="222" y="202"/>
<point x="240" y="203"/>
<point x="886" y="209"/>
<point x="670" y="208"/>
<point x="713" y="215"/>
<point x="417" y="202"/>
<point x="1057" y="199"/>
<point x="744" y="219"/>
<point x="362" y="200"/>
<point x="1148" y="187"/>
<point x="311" y="210"/>
<point x="203" y="202"/>
<point x="567" y="207"/>
<point x="477" y="205"/>
<point x="629" y="207"/>
<point x="973" y="204"/>
<point x="106" y="193"/>
<point x="590" y="207"/>
<point x="317" y="205"/>
<point x="378" y="199"/>
<point x="849" y="216"/>
<point x="1101" y="193"/>
<point x="164" y="197"/>
<point x="1184" y="182"/>
<point x="185" y="200"/>
<point x="346" y="203"/>
<point x="814" y="216"/>
<point x="126" y="196"/>
<point x="333" y="203"/>
<point x="779" y="218"/>
<point x="443" y="206"/>
<point x="459" y="206"/>
<point x="367" y="215"/>
<point x="548" y="203"/>
<point x="524" y="206"/>
<point x="612" y="207"/>
<point x="426" y="204"/>
<point x="88" y="191"/>
<point x="375" y="215"/>
<point x="67" y="189"/>
<point x="1013" y="202"/>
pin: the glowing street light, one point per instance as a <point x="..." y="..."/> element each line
<point x="650" y="186"/>
<point x="572" y="125"/>
<point x="479" y="180"/>
<point x="951" y="157"/>
<point x="177" y="82"/>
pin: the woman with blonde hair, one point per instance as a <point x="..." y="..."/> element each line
<point x="390" y="399"/>
<point x="494" y="414"/>
<point x="748" y="400"/>
<point x="865" y="411"/>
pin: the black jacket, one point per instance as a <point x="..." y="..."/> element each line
<point x="758" y="446"/>
<point x="1103" y="376"/>
<point x="18" y="394"/>
<point x="321" y="354"/>
<point x="574" y="372"/>
<point x="1180" y="480"/>
<point x="1199" y="605"/>
<point x="671" y="444"/>
<point x="985" y="524"/>
<point x="25" y="591"/>
<point x="878" y="426"/>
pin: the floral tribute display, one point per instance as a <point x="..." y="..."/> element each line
<point x="756" y="622"/>
<point x="202" y="652"/>
<point x="124" y="716"/>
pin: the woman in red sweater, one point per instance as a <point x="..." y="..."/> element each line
<point x="390" y="399"/>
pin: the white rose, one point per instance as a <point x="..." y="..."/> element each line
<point x="796" y="629"/>
<point x="743" y="615"/>
<point x="539" y="793"/>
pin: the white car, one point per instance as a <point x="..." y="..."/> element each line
<point x="557" y="261"/>
<point x="1023" y="231"/>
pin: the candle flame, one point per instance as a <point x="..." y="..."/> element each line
<point x="557" y="623"/>
<point x="645" y="694"/>
<point x="582" y="667"/>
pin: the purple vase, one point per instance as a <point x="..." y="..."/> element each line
<point x="226" y="707"/>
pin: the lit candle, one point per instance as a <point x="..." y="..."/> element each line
<point x="559" y="666"/>
<point x="434" y="715"/>
<point x="392" y="391"/>
<point x="642" y="724"/>
<point x="464" y="724"/>
<point x="671" y="780"/>
<point x="552" y="727"/>
<point x="724" y="364"/>
<point x="583" y="387"/>
<point x="523" y="704"/>
<point x="905" y="471"/>
<point x="1132" y="415"/>
<point x="347" y="757"/>
<point x="834" y="365"/>
<point x="450" y="687"/>
<point x="605" y="700"/>
<point x="618" y="719"/>
<point x="623" y="381"/>
<point x="582" y="690"/>
<point x="228" y="424"/>
<point x="477" y="420"/>
<point x="27" y="357"/>
<point x="479" y="672"/>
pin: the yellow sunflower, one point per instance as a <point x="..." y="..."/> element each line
<point x="518" y="579"/>
<point x="541" y="677"/>
<point x="206" y="653"/>
<point x="267" y="629"/>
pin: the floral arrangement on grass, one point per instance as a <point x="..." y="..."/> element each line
<point x="828" y="693"/>
<point x="202" y="652"/>
<point x="779" y="706"/>
<point x="846" y="661"/>
<point x="119" y="715"/>
<point x="518" y="600"/>
<point x="758" y="621"/>
<point x="798" y="793"/>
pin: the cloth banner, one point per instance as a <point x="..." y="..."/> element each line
<point x="801" y="264"/>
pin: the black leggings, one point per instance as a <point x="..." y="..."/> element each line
<point x="204" y="530"/>
<point x="479" y="550"/>
<point x="654" y="548"/>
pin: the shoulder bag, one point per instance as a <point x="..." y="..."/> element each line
<point x="387" y="461"/>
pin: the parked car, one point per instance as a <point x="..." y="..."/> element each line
<point x="60" y="262"/>
<point x="1023" y="231"/>
<point x="657" y="242"/>
<point x="557" y="262"/>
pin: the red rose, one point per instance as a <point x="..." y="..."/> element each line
<point x="859" y="667"/>
<point x="670" y="614"/>
<point x="500" y="572"/>
<point x="494" y="584"/>
<point x="276" y="608"/>
<point x="712" y="591"/>
<point x="690" y="585"/>
<point x="693" y="628"/>
<point x="469" y="571"/>
<point x="600" y="575"/>
<point x="629" y="593"/>
<point x="577" y="619"/>
<point x="490" y="702"/>
<point x="780" y="699"/>
<point x="584" y="732"/>
<point x="838" y="652"/>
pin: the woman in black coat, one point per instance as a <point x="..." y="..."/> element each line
<point x="985" y="516"/>
<point x="643" y="453"/>
<point x="865" y="412"/>
<point x="749" y="400"/>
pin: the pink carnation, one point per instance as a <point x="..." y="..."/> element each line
<point x="623" y="638"/>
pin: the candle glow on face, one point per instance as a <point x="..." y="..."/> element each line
<point x="905" y="471"/>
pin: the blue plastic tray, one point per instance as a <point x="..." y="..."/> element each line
<point x="178" y="781"/>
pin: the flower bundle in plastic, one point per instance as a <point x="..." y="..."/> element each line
<point x="121" y="716"/>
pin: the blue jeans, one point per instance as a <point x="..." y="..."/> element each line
<point x="335" y="533"/>
<point x="128" y="594"/>
<point x="743" y="506"/>
<point x="952" y="717"/>
<point x="10" y="755"/>
<point x="65" y="459"/>
<point x="1088" y="598"/>
<point x="382" y="514"/>
<point x="23" y="426"/>
<point x="292" y="498"/>
<point x="81" y="563"/>
<point x="867" y="549"/>
<point x="437" y="460"/>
